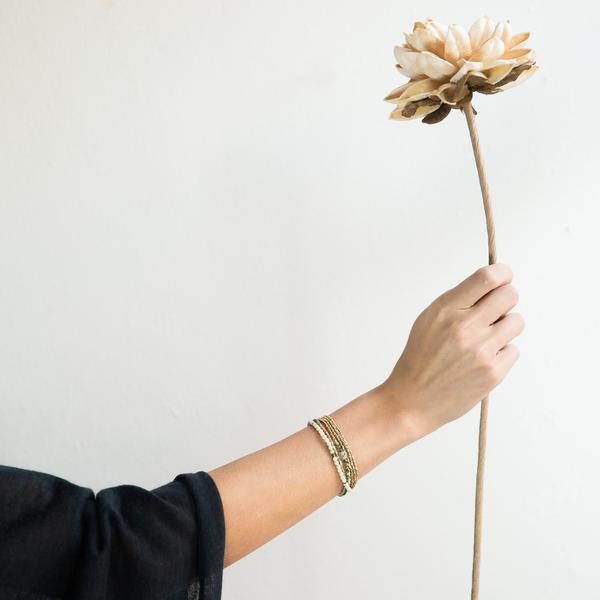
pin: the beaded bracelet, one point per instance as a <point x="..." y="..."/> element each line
<point x="340" y="451"/>
<point x="336" y="461"/>
<point x="341" y="445"/>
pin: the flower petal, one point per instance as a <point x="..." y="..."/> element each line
<point x="489" y="51"/>
<point x="507" y="33"/>
<point x="420" y="89"/>
<point x="481" y="31"/>
<point x="468" y="65"/>
<point x="498" y="72"/>
<point x="499" y="30"/>
<point x="435" y="67"/>
<point x="451" y="51"/>
<point x="412" y="77"/>
<point x="423" y="63"/>
<point x="439" y="28"/>
<point x="424" y="39"/>
<point x="523" y="76"/>
<point x="408" y="61"/>
<point x="452" y="93"/>
<point x="518" y="39"/>
<point x="519" y="74"/>
<point x="462" y="40"/>
<point x="414" y="110"/>
<point x="400" y="51"/>
<point x="520" y="55"/>
<point x="395" y="94"/>
<point x="437" y="115"/>
<point x="412" y="91"/>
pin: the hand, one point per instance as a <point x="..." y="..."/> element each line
<point x="458" y="350"/>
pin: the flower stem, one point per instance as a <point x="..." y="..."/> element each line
<point x="467" y="108"/>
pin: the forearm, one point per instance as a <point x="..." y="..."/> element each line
<point x="458" y="349"/>
<point x="268" y="491"/>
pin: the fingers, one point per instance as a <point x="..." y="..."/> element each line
<point x="477" y="285"/>
<point x="495" y="304"/>
<point x="505" y="330"/>
<point x="505" y="359"/>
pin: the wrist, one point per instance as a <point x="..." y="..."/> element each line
<point x="398" y="402"/>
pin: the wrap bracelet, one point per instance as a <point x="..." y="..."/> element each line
<point x="339" y="449"/>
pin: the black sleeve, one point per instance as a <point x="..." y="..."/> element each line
<point x="60" y="541"/>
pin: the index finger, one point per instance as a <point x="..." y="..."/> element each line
<point x="478" y="284"/>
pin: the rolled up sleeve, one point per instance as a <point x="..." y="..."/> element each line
<point x="61" y="541"/>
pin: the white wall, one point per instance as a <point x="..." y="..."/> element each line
<point x="210" y="232"/>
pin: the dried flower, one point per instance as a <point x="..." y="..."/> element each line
<point x="446" y="64"/>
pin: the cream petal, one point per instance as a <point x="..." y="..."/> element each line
<point x="420" y="111"/>
<point x="481" y="31"/>
<point x="520" y="55"/>
<point x="420" y="89"/>
<point x="499" y="61"/>
<point x="439" y="28"/>
<point x="413" y="77"/>
<point x="399" y="52"/>
<point x="451" y="93"/>
<point x="523" y="76"/>
<point x="499" y="30"/>
<point x="461" y="87"/>
<point x="497" y="72"/>
<point x="412" y="91"/>
<point x="516" y="53"/>
<point x="518" y="39"/>
<point x="424" y="39"/>
<point x="395" y="94"/>
<point x="435" y="67"/>
<point x="402" y="70"/>
<point x="451" y="51"/>
<point x="412" y="64"/>
<point x="461" y="93"/>
<point x="467" y="66"/>
<point x="423" y="63"/>
<point x="454" y="97"/>
<point x="444" y="92"/>
<point x="507" y="33"/>
<point x="462" y="40"/>
<point x="489" y="51"/>
<point x="408" y="62"/>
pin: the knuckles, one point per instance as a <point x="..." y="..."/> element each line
<point x="485" y="274"/>
<point x="512" y="294"/>
<point x="494" y="275"/>
<point x="488" y="276"/>
<point x="519" y="321"/>
<point x="481" y="357"/>
<point x="488" y="368"/>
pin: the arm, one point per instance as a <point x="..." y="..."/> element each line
<point x="457" y="351"/>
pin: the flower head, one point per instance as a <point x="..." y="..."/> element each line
<point x="446" y="64"/>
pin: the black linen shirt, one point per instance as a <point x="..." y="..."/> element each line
<point x="60" y="541"/>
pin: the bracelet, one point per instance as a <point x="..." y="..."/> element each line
<point x="336" y="461"/>
<point x="340" y="451"/>
<point x="342" y="447"/>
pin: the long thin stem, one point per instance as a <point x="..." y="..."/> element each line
<point x="483" y="417"/>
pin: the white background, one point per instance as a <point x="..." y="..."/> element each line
<point x="210" y="232"/>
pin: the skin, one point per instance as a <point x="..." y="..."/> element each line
<point x="458" y="350"/>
